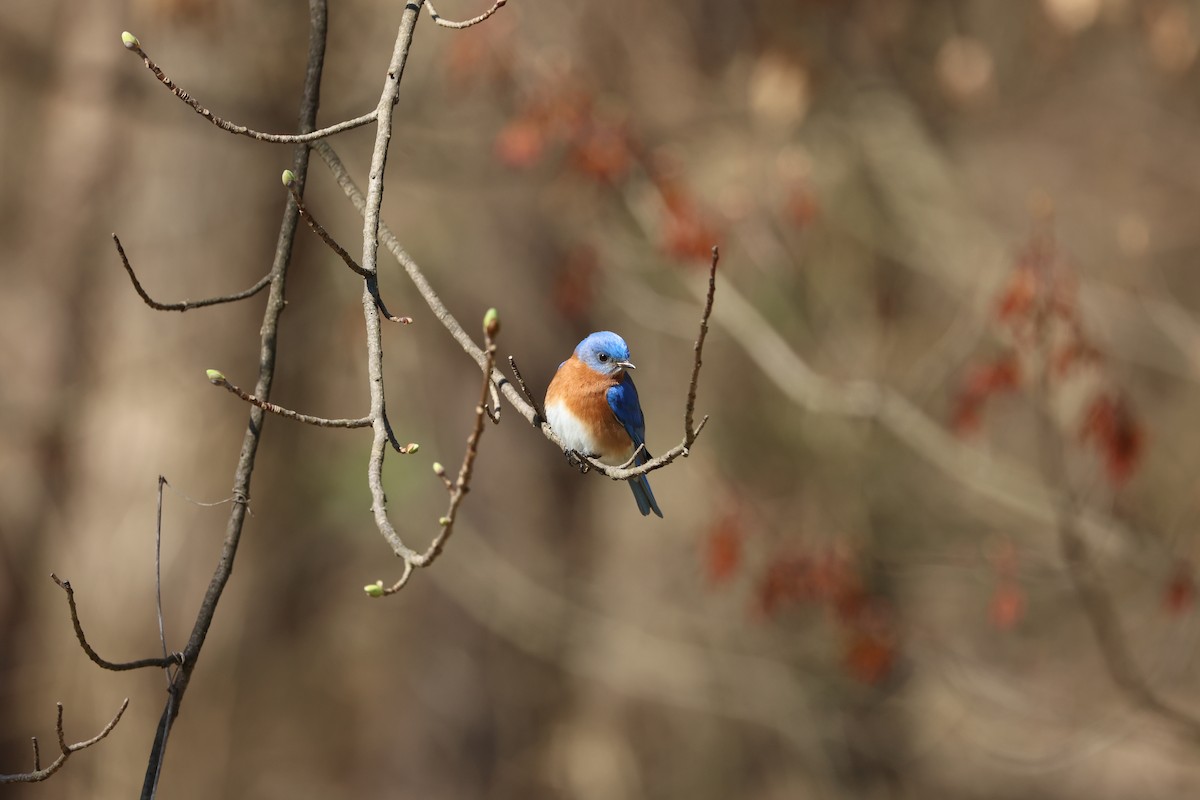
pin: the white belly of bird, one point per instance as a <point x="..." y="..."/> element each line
<point x="576" y="436"/>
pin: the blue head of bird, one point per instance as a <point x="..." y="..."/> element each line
<point x="604" y="352"/>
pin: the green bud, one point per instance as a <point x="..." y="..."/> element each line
<point x="439" y="470"/>
<point x="491" y="323"/>
<point x="411" y="447"/>
<point x="289" y="177"/>
<point x="129" y="40"/>
<point x="214" y="376"/>
<point x="444" y="521"/>
<point x="374" y="589"/>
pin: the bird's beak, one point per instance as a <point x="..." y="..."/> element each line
<point x="626" y="365"/>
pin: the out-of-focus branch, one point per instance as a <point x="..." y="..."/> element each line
<point x="131" y="43"/>
<point x="988" y="475"/>
<point x="1094" y="598"/>
<point x="65" y="750"/>
<point x="186" y="305"/>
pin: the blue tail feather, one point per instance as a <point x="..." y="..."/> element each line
<point x="645" y="497"/>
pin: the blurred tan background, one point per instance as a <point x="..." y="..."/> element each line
<point x="832" y="607"/>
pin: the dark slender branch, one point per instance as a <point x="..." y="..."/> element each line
<point x="65" y="750"/>
<point x="115" y="666"/>
<point x="318" y="25"/>
<point x="688" y="431"/>
<point x="131" y="43"/>
<point x="446" y="23"/>
<point x="186" y="305"/>
<point x="526" y="408"/>
<point x="162" y="631"/>
<point x="217" y="379"/>
<point x="529" y="396"/>
<point x="289" y="180"/>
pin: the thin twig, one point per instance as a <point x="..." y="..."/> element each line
<point x="186" y="305"/>
<point x="131" y="43"/>
<point x="162" y="632"/>
<point x="529" y="396"/>
<point x="290" y="182"/>
<point x="446" y="23"/>
<point x="217" y="379"/>
<point x="115" y="666"/>
<point x="319" y="229"/>
<point x="65" y="750"/>
<point x="699" y="348"/>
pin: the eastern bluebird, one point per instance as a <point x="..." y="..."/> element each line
<point x="593" y="407"/>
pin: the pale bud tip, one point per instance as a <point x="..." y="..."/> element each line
<point x="374" y="589"/>
<point x="214" y="376"/>
<point x="129" y="40"/>
<point x="289" y="177"/>
<point x="491" y="323"/>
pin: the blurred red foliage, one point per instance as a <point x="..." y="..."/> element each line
<point x="723" y="549"/>
<point x="1038" y="307"/>
<point x="1003" y="374"/>
<point x="1110" y="426"/>
<point x="563" y="115"/>
<point x="1180" y="594"/>
<point x="832" y="580"/>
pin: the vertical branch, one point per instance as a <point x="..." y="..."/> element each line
<point x="318" y="25"/>
<point x="370" y="263"/>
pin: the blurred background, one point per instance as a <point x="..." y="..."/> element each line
<point x="955" y="328"/>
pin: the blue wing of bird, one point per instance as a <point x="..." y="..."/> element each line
<point x="623" y="400"/>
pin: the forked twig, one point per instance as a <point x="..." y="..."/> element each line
<point x="457" y="488"/>
<point x="65" y="750"/>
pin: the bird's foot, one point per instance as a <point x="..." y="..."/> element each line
<point x="577" y="460"/>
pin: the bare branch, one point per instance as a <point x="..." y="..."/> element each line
<point x="445" y="23"/>
<point x="458" y="488"/>
<point x="217" y="379"/>
<point x="699" y="348"/>
<point x="131" y="43"/>
<point x="289" y="180"/>
<point x="65" y="750"/>
<point x="529" y="396"/>
<point x="268" y="345"/>
<point x="186" y="305"/>
<point x="115" y="666"/>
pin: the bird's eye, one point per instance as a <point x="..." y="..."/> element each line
<point x="604" y="356"/>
